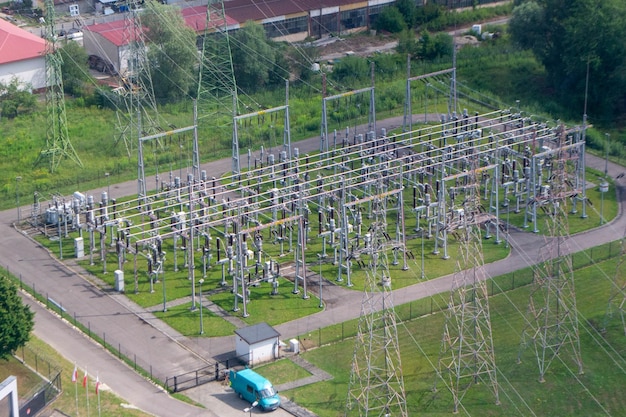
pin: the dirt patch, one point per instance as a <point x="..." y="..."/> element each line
<point x="361" y="45"/>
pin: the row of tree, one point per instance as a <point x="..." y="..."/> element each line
<point x="580" y="43"/>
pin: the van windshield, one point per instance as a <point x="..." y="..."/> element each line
<point x="267" y="392"/>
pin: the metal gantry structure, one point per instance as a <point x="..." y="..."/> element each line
<point x="58" y="144"/>
<point x="376" y="386"/>
<point x="552" y="318"/>
<point x="284" y="204"/>
<point x="467" y="354"/>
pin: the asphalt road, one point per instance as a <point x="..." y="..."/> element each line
<point x="164" y="351"/>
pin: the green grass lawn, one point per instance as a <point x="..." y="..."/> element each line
<point x="26" y="379"/>
<point x="110" y="404"/>
<point x="187" y="321"/>
<point x="272" y="309"/>
<point x="565" y="393"/>
<point x="281" y="371"/>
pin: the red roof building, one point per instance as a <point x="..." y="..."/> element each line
<point x="283" y="20"/>
<point x="22" y="56"/>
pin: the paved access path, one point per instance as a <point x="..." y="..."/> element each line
<point x="165" y="352"/>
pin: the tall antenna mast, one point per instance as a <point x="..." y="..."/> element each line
<point x="467" y="355"/>
<point x="58" y="143"/>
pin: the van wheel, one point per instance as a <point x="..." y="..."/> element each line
<point x="240" y="396"/>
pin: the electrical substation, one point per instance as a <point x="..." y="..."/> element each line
<point x="362" y="201"/>
<point x="420" y="176"/>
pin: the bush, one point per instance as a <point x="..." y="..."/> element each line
<point x="391" y="20"/>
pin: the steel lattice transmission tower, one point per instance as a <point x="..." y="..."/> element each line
<point x="617" y="299"/>
<point x="217" y="88"/>
<point x="552" y="318"/>
<point x="140" y="114"/>
<point x="467" y="355"/>
<point x="376" y="384"/>
<point x="58" y="145"/>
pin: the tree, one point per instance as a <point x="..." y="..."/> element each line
<point x="302" y="59"/>
<point x="351" y="69"/>
<point x="428" y="12"/>
<point x="280" y="69"/>
<point x="253" y="57"/>
<point x="74" y="68"/>
<point x="14" y="99"/>
<point x="391" y="20"/>
<point x="172" y="51"/>
<point x="408" y="9"/>
<point x="407" y="43"/>
<point x="433" y="47"/>
<point x="571" y="36"/>
<point x="16" y="319"/>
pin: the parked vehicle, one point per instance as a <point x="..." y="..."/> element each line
<point x="252" y="387"/>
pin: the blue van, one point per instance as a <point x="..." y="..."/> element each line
<point x="253" y="387"/>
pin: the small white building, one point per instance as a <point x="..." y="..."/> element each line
<point x="257" y="344"/>
<point x="22" y="56"/>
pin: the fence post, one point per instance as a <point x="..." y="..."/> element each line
<point x="135" y="361"/>
<point x="89" y="329"/>
<point x="119" y="351"/>
<point x="217" y="371"/>
<point x="104" y="339"/>
<point x="431" y="306"/>
<point x="175" y="381"/>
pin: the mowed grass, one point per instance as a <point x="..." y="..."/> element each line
<point x="272" y="309"/>
<point x="187" y="321"/>
<point x="110" y="404"/>
<point x="26" y="379"/>
<point x="281" y="371"/>
<point x="599" y="391"/>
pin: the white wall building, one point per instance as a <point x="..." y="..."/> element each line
<point x="22" y="56"/>
<point x="257" y="344"/>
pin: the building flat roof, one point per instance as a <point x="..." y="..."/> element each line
<point x="244" y="10"/>
<point x="257" y="333"/>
